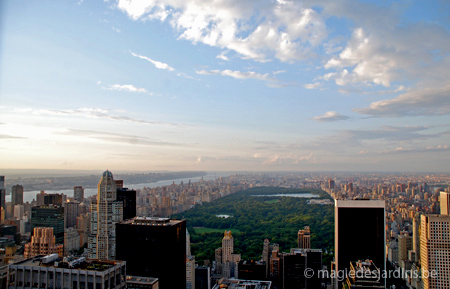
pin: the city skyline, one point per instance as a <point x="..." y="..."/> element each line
<point x="225" y="86"/>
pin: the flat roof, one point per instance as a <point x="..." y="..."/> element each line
<point x="151" y="221"/>
<point x="88" y="264"/>
<point x="360" y="203"/>
<point x="141" y="280"/>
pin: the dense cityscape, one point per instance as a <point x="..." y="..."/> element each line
<point x="197" y="144"/>
<point x="125" y="228"/>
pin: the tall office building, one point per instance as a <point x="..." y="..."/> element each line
<point x="43" y="242"/>
<point x="40" y="198"/>
<point x="78" y="193"/>
<point x="296" y="263"/>
<point x="2" y="198"/>
<point x="16" y="195"/>
<point x="445" y="203"/>
<point x="267" y="254"/>
<point x="435" y="251"/>
<point x="54" y="199"/>
<point x="416" y="236"/>
<point x="84" y="227"/>
<point x="128" y="197"/>
<point x="202" y="277"/>
<point x="405" y="244"/>
<point x="359" y="233"/>
<point x="154" y="247"/>
<point x="190" y="272"/>
<point x="229" y="259"/>
<point x="105" y="213"/>
<point x="71" y="213"/>
<point x="304" y="238"/>
<point x="49" y="216"/>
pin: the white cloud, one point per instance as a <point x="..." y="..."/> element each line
<point x="428" y="101"/>
<point x="312" y="85"/>
<point x="92" y="113"/>
<point x="238" y="74"/>
<point x="157" y="64"/>
<point x="223" y="56"/>
<point x="126" y="87"/>
<point x="331" y="116"/>
<point x="289" y="159"/>
<point x="257" y="30"/>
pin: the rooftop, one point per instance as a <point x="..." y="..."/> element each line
<point x="141" y="280"/>
<point x="151" y="221"/>
<point x="52" y="261"/>
<point x="243" y="284"/>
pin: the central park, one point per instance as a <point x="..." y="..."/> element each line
<point x="262" y="213"/>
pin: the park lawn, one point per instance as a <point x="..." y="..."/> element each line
<point x="272" y="201"/>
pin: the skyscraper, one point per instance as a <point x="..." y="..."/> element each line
<point x="154" y="247"/>
<point x="71" y="213"/>
<point x="2" y="198"/>
<point x="435" y="251"/>
<point x="128" y="197"/>
<point x="229" y="259"/>
<point x="304" y="238"/>
<point x="49" y="216"/>
<point x="105" y="213"/>
<point x="78" y="193"/>
<point x="445" y="203"/>
<point x="43" y="242"/>
<point x="359" y="233"/>
<point x="54" y="199"/>
<point x="16" y="195"/>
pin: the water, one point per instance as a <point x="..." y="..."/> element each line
<point x="224" y="216"/>
<point x="30" y="195"/>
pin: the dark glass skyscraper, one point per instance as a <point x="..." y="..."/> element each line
<point x="16" y="195"/>
<point x="154" y="247"/>
<point x="359" y="233"/>
<point x="49" y="216"/>
<point x="128" y="197"/>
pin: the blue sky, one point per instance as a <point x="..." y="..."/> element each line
<point x="225" y="85"/>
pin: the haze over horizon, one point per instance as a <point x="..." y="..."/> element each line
<point x="179" y="85"/>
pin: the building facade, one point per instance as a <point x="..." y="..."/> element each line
<point x="43" y="243"/>
<point x="105" y="213"/>
<point x="49" y="216"/>
<point x="435" y="251"/>
<point x="78" y="194"/>
<point x="359" y="233"/>
<point x="154" y="247"/>
<point x="52" y="272"/>
<point x="304" y="238"/>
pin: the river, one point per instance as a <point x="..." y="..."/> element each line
<point x="30" y="195"/>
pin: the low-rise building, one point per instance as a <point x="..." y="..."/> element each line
<point x="53" y="272"/>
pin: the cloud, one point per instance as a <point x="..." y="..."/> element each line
<point x="126" y="87"/>
<point x="312" y="85"/>
<point x="5" y="136"/>
<point x="157" y="64"/>
<point x="429" y="149"/>
<point x="223" y="56"/>
<point x="428" y="101"/>
<point x="331" y="116"/>
<point x="290" y="159"/>
<point x="238" y="74"/>
<point x="93" y="113"/>
<point x="119" y="138"/>
<point x="282" y="29"/>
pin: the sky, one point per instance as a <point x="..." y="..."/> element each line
<point x="255" y="85"/>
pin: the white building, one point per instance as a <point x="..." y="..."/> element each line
<point x="105" y="213"/>
<point x="52" y="272"/>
